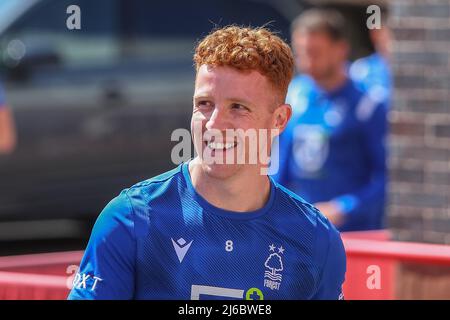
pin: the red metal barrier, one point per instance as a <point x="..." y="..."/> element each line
<point x="372" y="265"/>
<point x="37" y="276"/>
<point x="369" y="254"/>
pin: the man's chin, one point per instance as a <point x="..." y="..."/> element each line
<point x="220" y="171"/>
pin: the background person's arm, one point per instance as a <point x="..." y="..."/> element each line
<point x="372" y="194"/>
<point x="7" y="130"/>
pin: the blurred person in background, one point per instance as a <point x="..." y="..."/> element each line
<point x="372" y="73"/>
<point x="333" y="151"/>
<point x="7" y="127"/>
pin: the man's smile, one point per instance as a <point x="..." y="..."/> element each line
<point x="220" y="145"/>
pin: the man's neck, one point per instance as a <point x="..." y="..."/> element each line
<point x="243" y="192"/>
<point x="334" y="81"/>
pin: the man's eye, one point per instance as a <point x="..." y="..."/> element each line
<point x="204" y="104"/>
<point x="238" y="106"/>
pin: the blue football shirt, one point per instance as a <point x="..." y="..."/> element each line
<point x="160" y="239"/>
<point x="372" y="74"/>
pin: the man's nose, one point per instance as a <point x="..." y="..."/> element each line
<point x="218" y="120"/>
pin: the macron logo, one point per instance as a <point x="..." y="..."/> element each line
<point x="181" y="248"/>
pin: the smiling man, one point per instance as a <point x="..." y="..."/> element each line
<point x="214" y="228"/>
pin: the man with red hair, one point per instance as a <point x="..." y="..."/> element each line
<point x="219" y="229"/>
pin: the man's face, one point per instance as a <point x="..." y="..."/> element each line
<point x="228" y="99"/>
<point x="317" y="54"/>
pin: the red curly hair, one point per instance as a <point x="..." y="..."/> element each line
<point x="248" y="49"/>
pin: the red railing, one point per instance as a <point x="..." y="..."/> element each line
<point x="37" y="276"/>
<point x="372" y="261"/>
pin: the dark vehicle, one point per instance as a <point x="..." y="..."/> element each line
<point x="95" y="107"/>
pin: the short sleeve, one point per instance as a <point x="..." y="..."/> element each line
<point x="108" y="266"/>
<point x="333" y="272"/>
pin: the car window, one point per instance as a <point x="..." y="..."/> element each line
<point x="42" y="32"/>
<point x="168" y="30"/>
<point x="139" y="32"/>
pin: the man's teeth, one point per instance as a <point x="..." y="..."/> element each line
<point x="220" y="146"/>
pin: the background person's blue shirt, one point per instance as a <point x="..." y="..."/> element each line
<point x="161" y="240"/>
<point x="334" y="149"/>
<point x="373" y="74"/>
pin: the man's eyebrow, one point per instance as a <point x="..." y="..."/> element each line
<point x="201" y="96"/>
<point x="232" y="99"/>
<point x="240" y="100"/>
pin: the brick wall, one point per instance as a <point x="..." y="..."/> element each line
<point x="419" y="195"/>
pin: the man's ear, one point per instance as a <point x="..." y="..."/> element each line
<point x="282" y="115"/>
